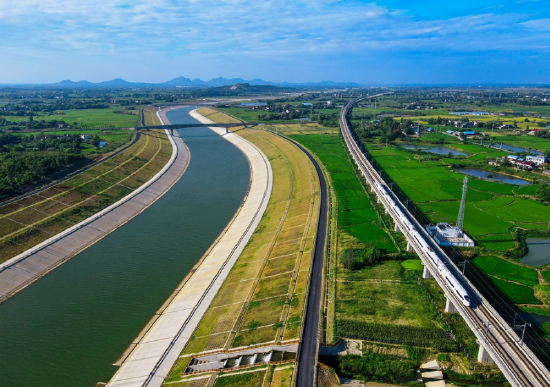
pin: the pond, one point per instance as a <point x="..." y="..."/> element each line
<point x="438" y="150"/>
<point x="493" y="176"/>
<point x="538" y="252"/>
<point x="516" y="149"/>
<point x="534" y="318"/>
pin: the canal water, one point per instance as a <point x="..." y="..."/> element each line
<point x="493" y="176"/>
<point x="66" y="329"/>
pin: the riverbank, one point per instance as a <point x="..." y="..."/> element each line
<point x="27" y="267"/>
<point x="154" y="355"/>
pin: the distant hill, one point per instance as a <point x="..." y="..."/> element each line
<point x="187" y="82"/>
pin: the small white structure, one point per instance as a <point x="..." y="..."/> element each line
<point x="537" y="160"/>
<point x="85" y="136"/>
<point x="446" y="235"/>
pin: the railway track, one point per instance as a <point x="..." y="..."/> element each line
<point x="517" y="362"/>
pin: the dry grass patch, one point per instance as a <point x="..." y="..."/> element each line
<point x="255" y="336"/>
<point x="232" y="292"/>
<point x="219" y="320"/>
<point x="282" y="377"/>
<point x="301" y="281"/>
<point x="264" y="312"/>
<point x="206" y="343"/>
<point x="272" y="286"/>
<point x="279" y="265"/>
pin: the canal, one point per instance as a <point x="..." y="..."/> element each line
<point x="70" y="326"/>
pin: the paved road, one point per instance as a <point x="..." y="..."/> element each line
<point x="307" y="358"/>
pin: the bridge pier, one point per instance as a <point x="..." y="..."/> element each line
<point x="449" y="307"/>
<point x="396" y="228"/>
<point x="409" y="247"/>
<point x="483" y="356"/>
<point x="426" y="274"/>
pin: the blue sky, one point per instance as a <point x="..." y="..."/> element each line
<point x="373" y="42"/>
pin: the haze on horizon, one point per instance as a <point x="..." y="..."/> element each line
<point x="373" y="42"/>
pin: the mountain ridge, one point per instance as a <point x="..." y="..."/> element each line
<point x="197" y="82"/>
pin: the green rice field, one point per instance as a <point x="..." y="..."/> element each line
<point x="95" y="117"/>
<point x="518" y="294"/>
<point x="355" y="213"/>
<point x="492" y="208"/>
<point x="507" y="270"/>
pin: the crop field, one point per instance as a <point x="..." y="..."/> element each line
<point x="518" y="294"/>
<point x="384" y="292"/>
<point x="31" y="220"/>
<point x="243" y="113"/>
<point x="95" y="117"/>
<point x="397" y="334"/>
<point x="492" y="208"/>
<point x="355" y="213"/>
<point x="507" y="270"/>
<point x="263" y="298"/>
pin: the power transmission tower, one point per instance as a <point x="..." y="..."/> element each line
<point x="460" y="221"/>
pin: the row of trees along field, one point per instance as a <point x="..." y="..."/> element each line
<point x="26" y="160"/>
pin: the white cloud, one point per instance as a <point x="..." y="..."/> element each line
<point x="266" y="29"/>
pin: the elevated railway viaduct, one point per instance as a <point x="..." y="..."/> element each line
<point x="499" y="342"/>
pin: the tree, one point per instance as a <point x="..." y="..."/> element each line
<point x="543" y="192"/>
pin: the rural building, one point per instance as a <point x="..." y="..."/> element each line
<point x="468" y="125"/>
<point x="469" y="133"/>
<point x="537" y="160"/>
<point x="85" y="136"/>
<point x="446" y="235"/>
<point x="506" y="126"/>
<point x="450" y="132"/>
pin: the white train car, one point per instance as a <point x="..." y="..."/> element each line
<point x="453" y="283"/>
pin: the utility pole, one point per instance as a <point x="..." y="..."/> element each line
<point x="524" y="326"/>
<point x="486" y="332"/>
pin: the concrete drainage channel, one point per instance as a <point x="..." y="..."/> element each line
<point x="275" y="354"/>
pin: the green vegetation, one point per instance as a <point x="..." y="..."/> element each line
<point x="31" y="220"/>
<point x="355" y="212"/>
<point x="507" y="270"/>
<point x="396" y="334"/>
<point x="32" y="158"/>
<point x="375" y="366"/>
<point x="252" y="379"/>
<point x="354" y="259"/>
<point x="413" y="264"/>
<point x="518" y="294"/>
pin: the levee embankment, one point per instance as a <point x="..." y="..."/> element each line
<point x="25" y="268"/>
<point x="153" y="356"/>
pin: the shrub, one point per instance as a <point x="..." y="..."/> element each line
<point x="396" y="334"/>
<point x="354" y="259"/>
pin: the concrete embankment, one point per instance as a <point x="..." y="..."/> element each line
<point x="153" y="356"/>
<point x="27" y="267"/>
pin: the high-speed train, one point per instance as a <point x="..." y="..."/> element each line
<point x="451" y="280"/>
